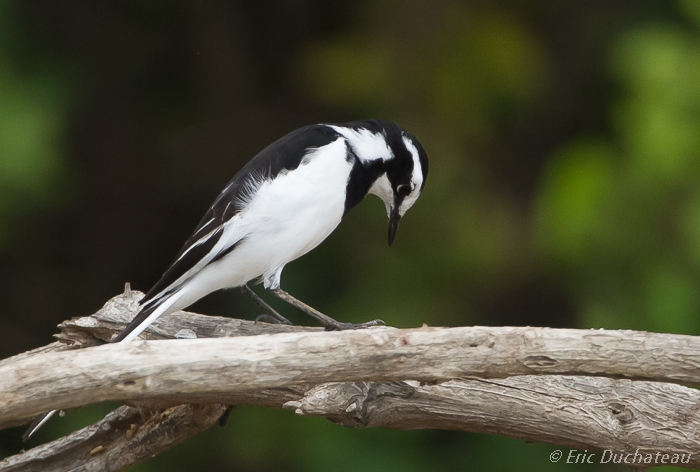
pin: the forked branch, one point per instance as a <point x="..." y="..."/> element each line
<point x="538" y="384"/>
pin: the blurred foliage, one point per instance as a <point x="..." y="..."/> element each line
<point x="564" y="140"/>
<point x="628" y="202"/>
<point x="32" y="111"/>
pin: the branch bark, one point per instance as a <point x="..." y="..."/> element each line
<point x="195" y="370"/>
<point x="358" y="379"/>
<point x="581" y="412"/>
<point x="119" y="441"/>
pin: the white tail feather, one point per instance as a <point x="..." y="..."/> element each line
<point x="163" y="308"/>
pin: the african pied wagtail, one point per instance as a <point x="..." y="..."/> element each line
<point x="281" y="205"/>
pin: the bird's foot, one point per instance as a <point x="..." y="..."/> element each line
<point x="329" y="323"/>
<point x="265" y="318"/>
<point x="338" y="326"/>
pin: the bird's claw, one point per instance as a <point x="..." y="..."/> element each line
<point x="346" y="326"/>
<point x="265" y="318"/>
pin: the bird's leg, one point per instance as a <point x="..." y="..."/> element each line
<point x="329" y="323"/>
<point x="271" y="312"/>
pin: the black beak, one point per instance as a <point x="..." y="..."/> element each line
<point x="394" y="219"/>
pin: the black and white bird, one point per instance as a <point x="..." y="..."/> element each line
<point x="281" y="205"/>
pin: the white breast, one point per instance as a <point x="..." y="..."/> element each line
<point x="293" y="213"/>
<point x="286" y="218"/>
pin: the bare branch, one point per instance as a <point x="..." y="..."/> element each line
<point x="281" y="369"/>
<point x="582" y="412"/>
<point x="119" y="441"/>
<point x="119" y="311"/>
<point x="195" y="369"/>
<point x="100" y="327"/>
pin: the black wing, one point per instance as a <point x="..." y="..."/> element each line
<point x="283" y="155"/>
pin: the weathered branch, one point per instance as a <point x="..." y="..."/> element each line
<point x="111" y="443"/>
<point x="580" y="412"/>
<point x="275" y="370"/>
<point x="119" y="441"/>
<point x="192" y="370"/>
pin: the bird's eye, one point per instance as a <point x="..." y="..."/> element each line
<point x="403" y="189"/>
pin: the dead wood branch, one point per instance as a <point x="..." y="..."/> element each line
<point x="119" y="441"/>
<point x="581" y="412"/>
<point x="278" y="369"/>
<point x="195" y="369"/>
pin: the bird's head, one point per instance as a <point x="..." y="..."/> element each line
<point x="401" y="184"/>
<point x="396" y="164"/>
<point x="405" y="170"/>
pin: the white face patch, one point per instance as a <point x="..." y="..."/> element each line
<point x="416" y="178"/>
<point x="366" y="145"/>
<point x="382" y="188"/>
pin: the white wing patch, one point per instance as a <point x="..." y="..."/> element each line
<point x="199" y="242"/>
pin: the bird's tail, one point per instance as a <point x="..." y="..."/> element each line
<point x="37" y="423"/>
<point x="151" y="310"/>
<point x="147" y="315"/>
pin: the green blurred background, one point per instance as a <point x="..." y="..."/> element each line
<point x="564" y="139"/>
